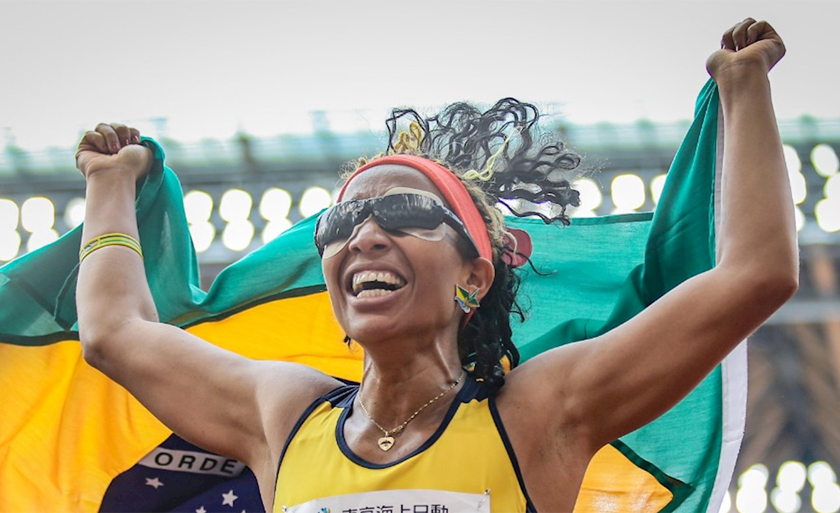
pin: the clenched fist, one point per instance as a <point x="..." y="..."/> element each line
<point x="113" y="148"/>
<point x="748" y="46"/>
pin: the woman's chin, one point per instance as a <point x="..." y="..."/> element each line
<point x="374" y="332"/>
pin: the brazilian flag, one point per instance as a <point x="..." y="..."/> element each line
<point x="72" y="440"/>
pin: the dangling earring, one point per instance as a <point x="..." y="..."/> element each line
<point x="347" y="339"/>
<point x="465" y="299"/>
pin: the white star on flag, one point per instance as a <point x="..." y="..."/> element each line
<point x="201" y="510"/>
<point x="228" y="498"/>
<point x="154" y="483"/>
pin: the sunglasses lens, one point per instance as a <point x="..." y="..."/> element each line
<point x="402" y="211"/>
<point x="425" y="218"/>
<point x="342" y="235"/>
<point x="334" y="229"/>
<point x="402" y="214"/>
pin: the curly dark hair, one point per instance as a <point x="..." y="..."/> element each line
<point x="503" y="158"/>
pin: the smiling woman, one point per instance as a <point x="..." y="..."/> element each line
<point x="420" y="272"/>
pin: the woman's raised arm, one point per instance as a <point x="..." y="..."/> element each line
<point x="623" y="379"/>
<point x="211" y="397"/>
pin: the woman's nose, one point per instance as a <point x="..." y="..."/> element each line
<point x="368" y="236"/>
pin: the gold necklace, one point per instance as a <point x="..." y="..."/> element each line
<point x="387" y="440"/>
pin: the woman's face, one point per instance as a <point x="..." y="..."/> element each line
<point x="422" y="273"/>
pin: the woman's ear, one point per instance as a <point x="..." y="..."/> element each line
<point x="482" y="274"/>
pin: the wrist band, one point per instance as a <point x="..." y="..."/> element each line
<point x="110" y="239"/>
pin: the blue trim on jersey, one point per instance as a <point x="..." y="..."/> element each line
<point x="497" y="419"/>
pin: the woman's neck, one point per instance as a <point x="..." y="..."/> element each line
<point x="397" y="381"/>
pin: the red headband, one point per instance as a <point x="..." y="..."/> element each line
<point x="452" y="189"/>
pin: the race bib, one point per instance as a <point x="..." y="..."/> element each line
<point x="398" y="501"/>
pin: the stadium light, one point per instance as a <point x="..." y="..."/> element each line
<point x="275" y="204"/>
<point x="656" y="186"/>
<point x="798" y="187"/>
<point x="314" y="199"/>
<point x="237" y="234"/>
<point x="827" y="212"/>
<point x="832" y="187"/>
<point x="198" y="206"/>
<point x="792" y="476"/>
<point x="235" y="205"/>
<point x="9" y="244"/>
<point x="826" y="498"/>
<point x="820" y="473"/>
<point x="628" y="193"/>
<point x="726" y="505"/>
<point x="751" y="499"/>
<point x="785" y="501"/>
<point x="824" y="160"/>
<point x="41" y="238"/>
<point x="202" y="233"/>
<point x="794" y="163"/>
<point x="37" y="214"/>
<point x="591" y="197"/>
<point x="274" y="228"/>
<point x="799" y="218"/>
<point x="9" y="215"/>
<point x="9" y="237"/>
<point x="74" y="212"/>
<point x="755" y="476"/>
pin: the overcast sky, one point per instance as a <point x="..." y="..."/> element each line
<point x="211" y="68"/>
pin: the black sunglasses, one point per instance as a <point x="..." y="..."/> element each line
<point x="411" y="214"/>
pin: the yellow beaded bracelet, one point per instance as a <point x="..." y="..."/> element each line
<point x="110" y="239"/>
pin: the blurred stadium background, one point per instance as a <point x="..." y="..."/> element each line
<point x="243" y="191"/>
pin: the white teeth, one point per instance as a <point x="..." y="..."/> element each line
<point x="378" y="276"/>
<point x="373" y="293"/>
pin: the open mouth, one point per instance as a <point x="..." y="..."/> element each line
<point x="376" y="283"/>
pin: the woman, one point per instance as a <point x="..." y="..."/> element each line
<point x="415" y="264"/>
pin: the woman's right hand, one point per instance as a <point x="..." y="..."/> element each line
<point x="113" y="147"/>
<point x="747" y="46"/>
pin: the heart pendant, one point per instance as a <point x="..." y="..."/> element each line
<point x="386" y="442"/>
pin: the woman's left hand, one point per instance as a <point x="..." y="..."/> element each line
<point x="748" y="46"/>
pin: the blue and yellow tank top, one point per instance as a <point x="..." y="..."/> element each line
<point x="466" y="465"/>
